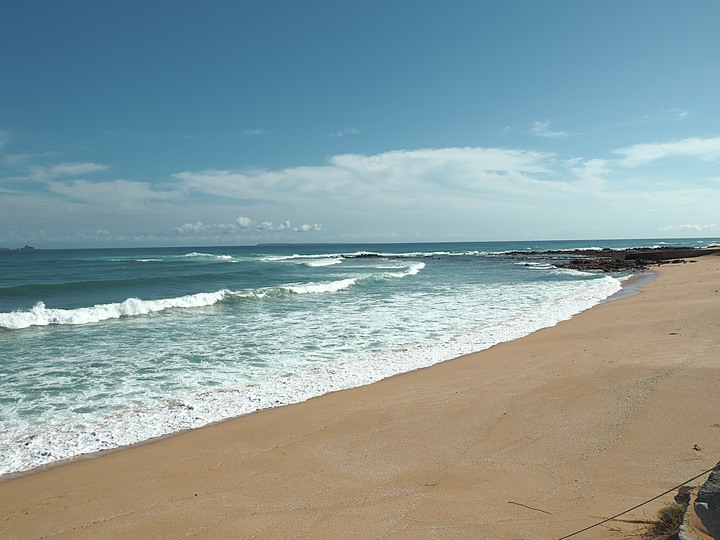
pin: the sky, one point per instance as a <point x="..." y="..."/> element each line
<point x="163" y="123"/>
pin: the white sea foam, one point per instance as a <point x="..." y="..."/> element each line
<point x="292" y="381"/>
<point x="369" y="255"/>
<point x="413" y="269"/>
<point x="323" y="262"/>
<point x="535" y="265"/>
<point x="40" y="315"/>
<point x="315" y="288"/>
<point x="198" y="255"/>
<point x="277" y="258"/>
<point x="133" y="259"/>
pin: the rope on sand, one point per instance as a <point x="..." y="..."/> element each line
<point x="638" y="505"/>
<point x="530" y="507"/>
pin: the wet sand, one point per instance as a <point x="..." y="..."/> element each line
<point x="531" y="439"/>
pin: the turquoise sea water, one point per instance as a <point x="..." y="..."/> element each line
<point x="107" y="347"/>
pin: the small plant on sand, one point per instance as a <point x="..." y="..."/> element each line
<point x="667" y="524"/>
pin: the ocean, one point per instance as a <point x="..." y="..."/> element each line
<point x="101" y="348"/>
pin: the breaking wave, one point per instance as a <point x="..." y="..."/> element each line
<point x="41" y="315"/>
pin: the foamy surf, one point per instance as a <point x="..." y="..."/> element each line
<point x="40" y="315"/>
<point x="288" y="383"/>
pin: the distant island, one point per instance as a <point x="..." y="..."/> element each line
<point x="24" y="248"/>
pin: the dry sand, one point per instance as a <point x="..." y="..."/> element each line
<point x="576" y="422"/>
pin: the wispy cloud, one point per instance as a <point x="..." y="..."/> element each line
<point x="44" y="173"/>
<point x="345" y="132"/>
<point x="396" y="177"/>
<point x="243" y="223"/>
<point x="255" y="132"/>
<point x="674" y="113"/>
<point x="707" y="149"/>
<point x="111" y="194"/>
<point x="697" y="228"/>
<point x="678" y="113"/>
<point x="542" y="129"/>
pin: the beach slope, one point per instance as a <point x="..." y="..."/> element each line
<point x="532" y="439"/>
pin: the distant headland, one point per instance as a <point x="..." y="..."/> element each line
<point x="24" y="248"/>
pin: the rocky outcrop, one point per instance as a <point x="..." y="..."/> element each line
<point x="363" y="256"/>
<point x="24" y="248"/>
<point x="608" y="260"/>
<point x="702" y="518"/>
<point x="707" y="503"/>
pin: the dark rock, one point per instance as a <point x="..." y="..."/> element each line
<point x="602" y="264"/>
<point x="363" y="256"/>
<point x="684" y="494"/>
<point x="707" y="503"/>
<point x="608" y="260"/>
<point x="24" y="248"/>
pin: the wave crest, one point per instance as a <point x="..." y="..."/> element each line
<point x="210" y="256"/>
<point x="40" y="315"/>
<point x="315" y="288"/>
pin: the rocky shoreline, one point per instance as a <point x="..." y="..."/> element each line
<point x="609" y="260"/>
<point x="602" y="260"/>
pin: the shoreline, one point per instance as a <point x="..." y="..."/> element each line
<point x="630" y="285"/>
<point x="432" y="452"/>
<point x="408" y="350"/>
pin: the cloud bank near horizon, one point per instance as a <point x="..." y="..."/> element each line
<point x="472" y="193"/>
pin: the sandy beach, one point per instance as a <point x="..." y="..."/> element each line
<point x="533" y="439"/>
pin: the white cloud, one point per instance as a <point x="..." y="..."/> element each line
<point x="268" y="226"/>
<point x="345" y="132"/>
<point x="390" y="180"/>
<point x="674" y="113"/>
<point x="542" y="129"/>
<point x="111" y="194"/>
<point x="42" y="173"/>
<point x="431" y="193"/>
<point x="707" y="149"/>
<point x="255" y="132"/>
<point x="243" y="222"/>
<point x="191" y="227"/>
<point x="678" y="113"/>
<point x="592" y="171"/>
<point x="307" y="227"/>
<point x="688" y="227"/>
<point x="199" y="227"/>
<point x="477" y="160"/>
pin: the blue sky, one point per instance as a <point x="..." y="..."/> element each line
<point x="189" y="123"/>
